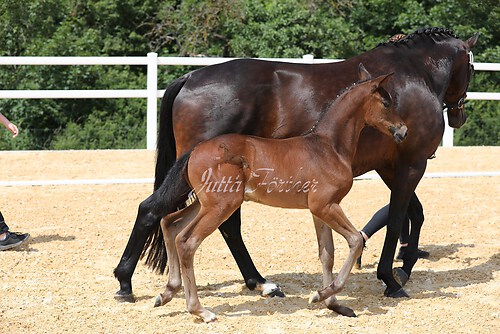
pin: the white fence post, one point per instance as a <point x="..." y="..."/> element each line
<point x="308" y="58"/>
<point x="152" y="110"/>
<point x="448" y="132"/>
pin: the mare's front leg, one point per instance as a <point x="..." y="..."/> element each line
<point x="171" y="226"/>
<point x="231" y="232"/>
<point x="332" y="215"/>
<point x="402" y="187"/>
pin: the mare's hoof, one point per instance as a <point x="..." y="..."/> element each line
<point x="342" y="310"/>
<point x="276" y="293"/>
<point x="123" y="297"/>
<point x="158" y="301"/>
<point x="400" y="276"/>
<point x="401" y="293"/>
<point x="271" y="290"/>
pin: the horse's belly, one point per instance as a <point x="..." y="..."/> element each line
<point x="282" y="197"/>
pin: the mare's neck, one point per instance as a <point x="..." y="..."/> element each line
<point x="435" y="71"/>
<point x="341" y="125"/>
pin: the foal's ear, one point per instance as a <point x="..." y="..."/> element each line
<point x="363" y="73"/>
<point x="471" y="42"/>
<point x="381" y="90"/>
<point x="379" y="80"/>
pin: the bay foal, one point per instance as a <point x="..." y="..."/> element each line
<point x="312" y="172"/>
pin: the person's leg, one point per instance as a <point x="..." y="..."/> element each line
<point x="3" y="227"/>
<point x="378" y="221"/>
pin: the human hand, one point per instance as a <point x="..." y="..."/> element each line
<point x="13" y="128"/>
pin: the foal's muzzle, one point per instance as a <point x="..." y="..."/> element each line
<point x="399" y="133"/>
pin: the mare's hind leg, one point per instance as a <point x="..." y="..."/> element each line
<point x="334" y="217"/>
<point x="326" y="252"/>
<point x="231" y="232"/>
<point x="416" y="215"/>
<point x="171" y="226"/>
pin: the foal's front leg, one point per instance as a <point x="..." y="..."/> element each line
<point x="326" y="252"/>
<point x="334" y="217"/>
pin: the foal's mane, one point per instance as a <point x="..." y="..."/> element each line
<point x="330" y="105"/>
<point x="431" y="33"/>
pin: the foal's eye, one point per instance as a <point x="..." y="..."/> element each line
<point x="387" y="103"/>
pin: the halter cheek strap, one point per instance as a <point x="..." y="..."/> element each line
<point x="460" y="104"/>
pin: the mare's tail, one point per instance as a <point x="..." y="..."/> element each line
<point x="156" y="257"/>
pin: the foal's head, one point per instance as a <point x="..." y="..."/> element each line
<point x="377" y="106"/>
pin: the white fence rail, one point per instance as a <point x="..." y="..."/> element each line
<point x="151" y="93"/>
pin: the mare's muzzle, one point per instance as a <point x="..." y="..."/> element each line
<point x="456" y="117"/>
<point x="399" y="133"/>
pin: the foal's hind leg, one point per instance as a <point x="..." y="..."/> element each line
<point x="212" y="213"/>
<point x="334" y="217"/>
<point x="171" y="226"/>
<point x="326" y="252"/>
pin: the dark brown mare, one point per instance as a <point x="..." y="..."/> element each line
<point x="312" y="172"/>
<point x="279" y="100"/>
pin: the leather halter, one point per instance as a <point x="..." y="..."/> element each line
<point x="460" y="104"/>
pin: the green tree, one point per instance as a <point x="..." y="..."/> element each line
<point x="229" y="28"/>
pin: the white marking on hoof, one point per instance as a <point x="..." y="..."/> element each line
<point x="208" y="316"/>
<point x="314" y="297"/>
<point x="267" y="288"/>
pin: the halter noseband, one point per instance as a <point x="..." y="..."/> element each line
<point x="460" y="104"/>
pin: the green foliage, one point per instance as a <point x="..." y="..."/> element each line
<point x="228" y="28"/>
<point x="104" y="131"/>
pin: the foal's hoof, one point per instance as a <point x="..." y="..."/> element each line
<point x="400" y="276"/>
<point x="158" y="301"/>
<point x="401" y="293"/>
<point x="123" y="297"/>
<point x="342" y="310"/>
<point x="315" y="298"/>
<point x="207" y="316"/>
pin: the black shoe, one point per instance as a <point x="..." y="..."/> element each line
<point x="13" y="240"/>
<point x="421" y="254"/>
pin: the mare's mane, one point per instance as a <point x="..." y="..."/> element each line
<point x="431" y="33"/>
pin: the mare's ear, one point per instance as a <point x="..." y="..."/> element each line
<point x="363" y="73"/>
<point x="471" y="42"/>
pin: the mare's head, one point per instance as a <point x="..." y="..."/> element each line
<point x="377" y="106"/>
<point x="463" y="68"/>
<point x="437" y="55"/>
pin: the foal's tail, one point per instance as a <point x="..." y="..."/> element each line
<point x="156" y="257"/>
<point x="172" y="193"/>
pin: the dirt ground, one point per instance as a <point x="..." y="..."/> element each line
<point x="62" y="279"/>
